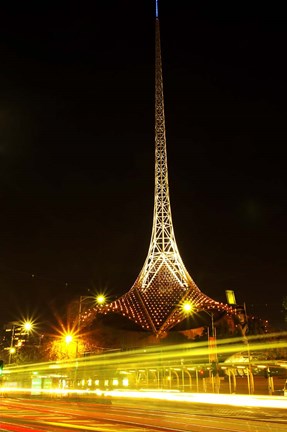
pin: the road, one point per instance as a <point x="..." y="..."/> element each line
<point x="25" y="415"/>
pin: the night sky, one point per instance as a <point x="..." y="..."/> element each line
<point x="77" y="149"/>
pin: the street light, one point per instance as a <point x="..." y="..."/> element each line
<point x="12" y="351"/>
<point x="67" y="343"/>
<point x="99" y="300"/>
<point x="22" y="328"/>
<point x="187" y="307"/>
<point x="212" y="339"/>
<point x="68" y="338"/>
<point x="27" y="325"/>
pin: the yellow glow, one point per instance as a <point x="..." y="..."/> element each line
<point x="230" y="297"/>
<point x="12" y="350"/>
<point x="175" y="396"/>
<point x="207" y="398"/>
<point x="57" y="391"/>
<point x="146" y="360"/>
<point x="27" y="326"/>
<point x="125" y="382"/>
<point x="191" y="350"/>
<point x="68" y="338"/>
<point x="187" y="307"/>
<point x="101" y="299"/>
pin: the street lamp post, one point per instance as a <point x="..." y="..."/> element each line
<point x="12" y="349"/>
<point x="242" y="325"/>
<point x="212" y="339"/>
<point x="99" y="300"/>
<point x="27" y="326"/>
<point x="81" y="299"/>
<point x="246" y="342"/>
<point x="188" y="308"/>
<point x="212" y="353"/>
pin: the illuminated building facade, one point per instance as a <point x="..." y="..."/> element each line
<point x="164" y="292"/>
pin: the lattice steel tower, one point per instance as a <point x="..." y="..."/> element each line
<point x="164" y="286"/>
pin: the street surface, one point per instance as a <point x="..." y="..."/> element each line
<point x="27" y="415"/>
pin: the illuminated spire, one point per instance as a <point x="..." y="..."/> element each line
<point x="155" y="301"/>
<point x="156" y="8"/>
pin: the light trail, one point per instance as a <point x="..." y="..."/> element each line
<point x="164" y="395"/>
<point x="158" y="369"/>
<point x="191" y="352"/>
<point x="206" y="398"/>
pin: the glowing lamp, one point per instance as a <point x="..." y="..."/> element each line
<point x="27" y="326"/>
<point x="68" y="338"/>
<point x="101" y="299"/>
<point x="187" y="307"/>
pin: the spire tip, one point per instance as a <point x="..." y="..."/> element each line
<point x="156" y="8"/>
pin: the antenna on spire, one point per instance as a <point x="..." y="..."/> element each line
<point x="156" y="8"/>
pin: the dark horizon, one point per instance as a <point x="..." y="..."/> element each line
<point x="77" y="150"/>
